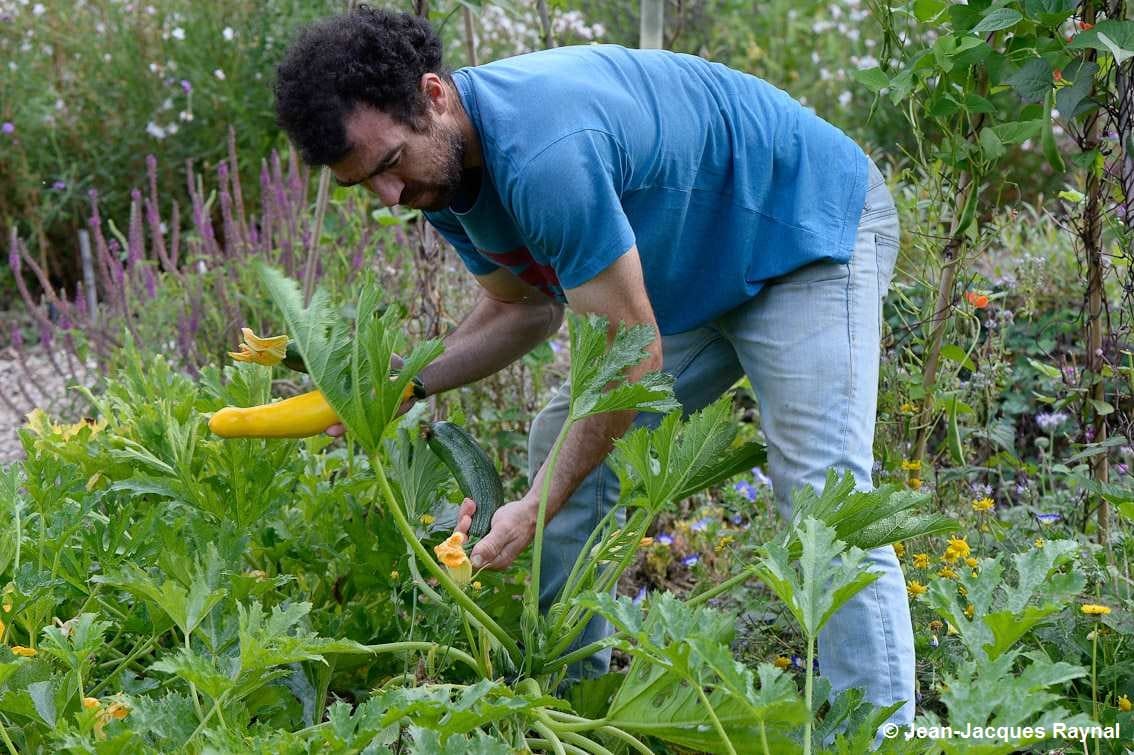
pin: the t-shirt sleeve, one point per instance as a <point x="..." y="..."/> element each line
<point x="450" y="229"/>
<point x="566" y="205"/>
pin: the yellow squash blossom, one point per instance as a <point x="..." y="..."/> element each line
<point x="452" y="554"/>
<point x="921" y="560"/>
<point x="1124" y="704"/>
<point x="91" y="702"/>
<point x="1094" y="609"/>
<point x="40" y="424"/>
<point x="266" y="351"/>
<point x="32" y="652"/>
<point x="983" y="504"/>
<point x="915" y="588"/>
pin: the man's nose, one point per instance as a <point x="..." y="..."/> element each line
<point x="388" y="189"/>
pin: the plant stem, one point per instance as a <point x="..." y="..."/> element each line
<point x="409" y="647"/>
<point x="807" y="692"/>
<point x="4" y="733"/>
<point x="531" y="604"/>
<point x="713" y="715"/>
<point x="723" y="587"/>
<point x="576" y="655"/>
<point x="587" y="745"/>
<point x="551" y="737"/>
<point x="446" y="582"/>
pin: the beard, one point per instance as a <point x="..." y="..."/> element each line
<point x="432" y="196"/>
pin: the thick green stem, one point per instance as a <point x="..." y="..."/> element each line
<point x="576" y="655"/>
<point x="807" y="694"/>
<point x="713" y="716"/>
<point x="531" y="604"/>
<point x="445" y="581"/>
<point x="551" y="737"/>
<point x="723" y="587"/>
<point x="8" y="742"/>
<point x="411" y="647"/>
<point x="587" y="745"/>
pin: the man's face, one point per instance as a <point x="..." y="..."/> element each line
<point x="401" y="165"/>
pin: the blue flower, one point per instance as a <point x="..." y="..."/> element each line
<point x="701" y="524"/>
<point x="761" y="478"/>
<point x="796" y="662"/>
<point x="664" y="538"/>
<point x="737" y="519"/>
<point x="691" y="559"/>
<point x="640" y="596"/>
<point x="744" y="487"/>
<point x="1049" y="518"/>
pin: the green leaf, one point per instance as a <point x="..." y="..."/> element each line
<point x="815" y="591"/>
<point x="955" y="353"/>
<point x="1121" y="54"/>
<point x="1008" y="626"/>
<point x="186" y="608"/>
<point x="196" y="669"/>
<point x="997" y="19"/>
<point x="595" y="367"/>
<point x="1049" y="13"/>
<point x="1102" y="408"/>
<point x="417" y="471"/>
<point x="1016" y="132"/>
<point x="929" y="10"/>
<point x="1109" y="36"/>
<point x="1072" y="99"/>
<point x="875" y="79"/>
<point x="1033" y="80"/>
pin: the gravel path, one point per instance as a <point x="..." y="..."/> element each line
<point x="27" y="383"/>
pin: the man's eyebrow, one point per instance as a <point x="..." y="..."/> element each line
<point x="385" y="161"/>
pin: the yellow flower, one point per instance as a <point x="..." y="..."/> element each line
<point x="782" y="662"/>
<point x="972" y="562"/>
<point x="40" y="424"/>
<point x="914" y="483"/>
<point x="915" y="588"/>
<point x="32" y="652"/>
<point x="477" y="585"/>
<point x="452" y="554"/>
<point x="921" y="560"/>
<point x="394" y="575"/>
<point x="1039" y="542"/>
<point x="645" y="542"/>
<point x="950" y="629"/>
<point x="1124" y="704"/>
<point x="91" y="702"/>
<point x="1094" y="609"/>
<point x="963" y="590"/>
<point x="969" y="611"/>
<point x="900" y="549"/>
<point x="266" y="351"/>
<point x="428" y="519"/>
<point x="723" y="543"/>
<point x="911" y="465"/>
<point x="907" y="408"/>
<point x="983" y="504"/>
<point x="957" y="548"/>
<point x="936" y="626"/>
<point x="947" y="573"/>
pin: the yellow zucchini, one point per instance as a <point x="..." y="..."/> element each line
<point x="296" y="417"/>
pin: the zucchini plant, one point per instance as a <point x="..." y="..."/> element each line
<point x="684" y="686"/>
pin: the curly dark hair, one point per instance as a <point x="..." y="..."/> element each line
<point x="369" y="55"/>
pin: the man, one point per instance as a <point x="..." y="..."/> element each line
<point x="652" y="188"/>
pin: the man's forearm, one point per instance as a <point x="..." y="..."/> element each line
<point x="492" y="336"/>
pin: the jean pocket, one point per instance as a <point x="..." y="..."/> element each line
<point x="886" y="250"/>
<point x="821" y="271"/>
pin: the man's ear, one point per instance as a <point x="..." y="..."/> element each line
<point x="435" y="91"/>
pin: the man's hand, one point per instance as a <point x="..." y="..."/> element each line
<point x="513" y="529"/>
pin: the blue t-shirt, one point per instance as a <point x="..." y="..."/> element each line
<point x="722" y="180"/>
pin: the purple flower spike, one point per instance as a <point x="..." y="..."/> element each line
<point x="59" y="186"/>
<point x="186" y="86"/>
<point x="8" y="127"/>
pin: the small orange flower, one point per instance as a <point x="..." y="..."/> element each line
<point x="1058" y="75"/>
<point x="452" y="554"/>
<point x="91" y="702"/>
<point x="1085" y="26"/>
<point x="979" y="301"/>
<point x="266" y="351"/>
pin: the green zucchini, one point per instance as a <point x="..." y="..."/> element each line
<point x="293" y="361"/>
<point x="475" y="474"/>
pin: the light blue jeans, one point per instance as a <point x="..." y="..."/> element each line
<point x="809" y="344"/>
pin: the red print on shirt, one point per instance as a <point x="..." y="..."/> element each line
<point x="521" y="262"/>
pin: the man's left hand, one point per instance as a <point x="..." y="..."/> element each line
<point x="513" y="529"/>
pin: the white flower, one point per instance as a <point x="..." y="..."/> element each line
<point x="155" y="130"/>
<point x="171" y="129"/>
<point x="228" y="34"/>
<point x="151" y="10"/>
<point x="845" y="98"/>
<point x="178" y="33"/>
<point x="219" y="74"/>
<point x="153" y="67"/>
<point x="868" y="61"/>
<point x="100" y="28"/>
<point x="167" y="105"/>
<point x="185" y="115"/>
<point x="106" y="57"/>
<point x="38" y="9"/>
